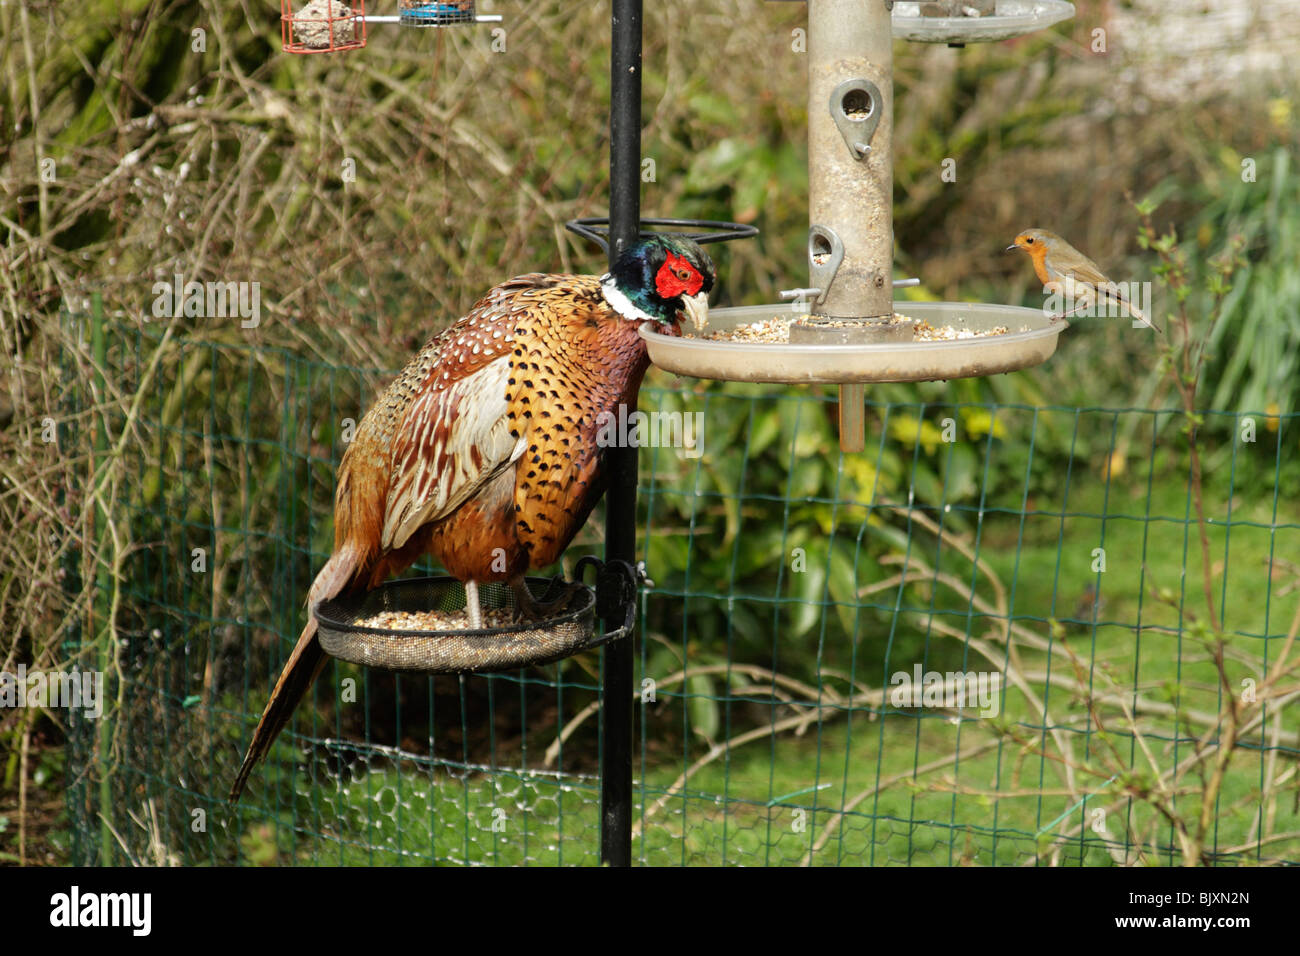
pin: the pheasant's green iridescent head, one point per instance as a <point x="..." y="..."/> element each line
<point x="659" y="278"/>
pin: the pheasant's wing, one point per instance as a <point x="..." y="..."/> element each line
<point x="455" y="436"/>
<point x="451" y="443"/>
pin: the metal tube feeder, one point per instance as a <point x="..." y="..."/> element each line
<point x="850" y="188"/>
<point x="842" y="327"/>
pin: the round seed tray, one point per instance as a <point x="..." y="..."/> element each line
<point x="1012" y="18"/>
<point x="1030" y="340"/>
<point x="569" y="630"/>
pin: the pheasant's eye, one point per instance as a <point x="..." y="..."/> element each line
<point x="683" y="275"/>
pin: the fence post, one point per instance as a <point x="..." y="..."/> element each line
<point x="100" y="628"/>
<point x="620" y="501"/>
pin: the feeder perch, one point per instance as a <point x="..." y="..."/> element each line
<point x="358" y="628"/>
<point x="843" y="328"/>
<point x="439" y="13"/>
<point x="322" y="26"/>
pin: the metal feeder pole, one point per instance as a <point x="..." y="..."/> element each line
<point x="851" y="178"/>
<point x="616" y="712"/>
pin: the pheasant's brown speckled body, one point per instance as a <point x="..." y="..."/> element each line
<point x="482" y="452"/>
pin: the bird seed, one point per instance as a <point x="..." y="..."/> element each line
<point x="776" y="330"/>
<point x="436" y="620"/>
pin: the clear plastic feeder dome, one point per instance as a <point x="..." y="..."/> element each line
<point x="1010" y="18"/>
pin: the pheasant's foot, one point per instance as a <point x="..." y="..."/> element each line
<point x="472" y="606"/>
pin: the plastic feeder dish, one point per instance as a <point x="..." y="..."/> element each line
<point x="1030" y="338"/>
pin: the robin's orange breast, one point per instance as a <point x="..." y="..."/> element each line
<point x="1039" y="257"/>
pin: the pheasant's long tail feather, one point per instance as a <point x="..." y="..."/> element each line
<point x="302" y="668"/>
<point x="304" y="665"/>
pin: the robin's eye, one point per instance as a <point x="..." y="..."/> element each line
<point x="1030" y="241"/>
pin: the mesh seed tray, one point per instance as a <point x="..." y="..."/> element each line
<point x="1030" y="340"/>
<point x="1012" y="18"/>
<point x="570" y="628"/>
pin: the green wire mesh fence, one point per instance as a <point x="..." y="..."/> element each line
<point x="988" y="639"/>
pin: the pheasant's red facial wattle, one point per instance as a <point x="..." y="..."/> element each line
<point x="677" y="277"/>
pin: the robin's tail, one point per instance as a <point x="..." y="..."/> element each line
<point x="1137" y="314"/>
<point x="302" y="668"/>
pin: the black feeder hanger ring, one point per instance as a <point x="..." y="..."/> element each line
<point x="701" y="230"/>
<point x="617" y="584"/>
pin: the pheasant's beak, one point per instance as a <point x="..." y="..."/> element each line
<point x="697" y="308"/>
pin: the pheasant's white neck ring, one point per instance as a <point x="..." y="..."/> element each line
<point x="620" y="303"/>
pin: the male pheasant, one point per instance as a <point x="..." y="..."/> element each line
<point x="483" y="451"/>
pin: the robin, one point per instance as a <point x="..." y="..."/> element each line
<point x="1059" y="264"/>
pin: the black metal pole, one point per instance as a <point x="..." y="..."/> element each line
<point x="616" y="712"/>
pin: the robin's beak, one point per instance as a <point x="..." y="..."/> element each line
<point x="1010" y="247"/>
<point x="696" y="308"/>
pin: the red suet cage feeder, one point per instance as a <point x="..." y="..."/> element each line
<point x="322" y="26"/>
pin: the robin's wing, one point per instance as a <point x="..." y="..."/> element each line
<point x="1085" y="270"/>
<point x="455" y="436"/>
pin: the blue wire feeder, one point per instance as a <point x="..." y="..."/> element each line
<point x="432" y="14"/>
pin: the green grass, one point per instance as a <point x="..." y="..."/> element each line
<point x="777" y="800"/>
<point x="391" y="818"/>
